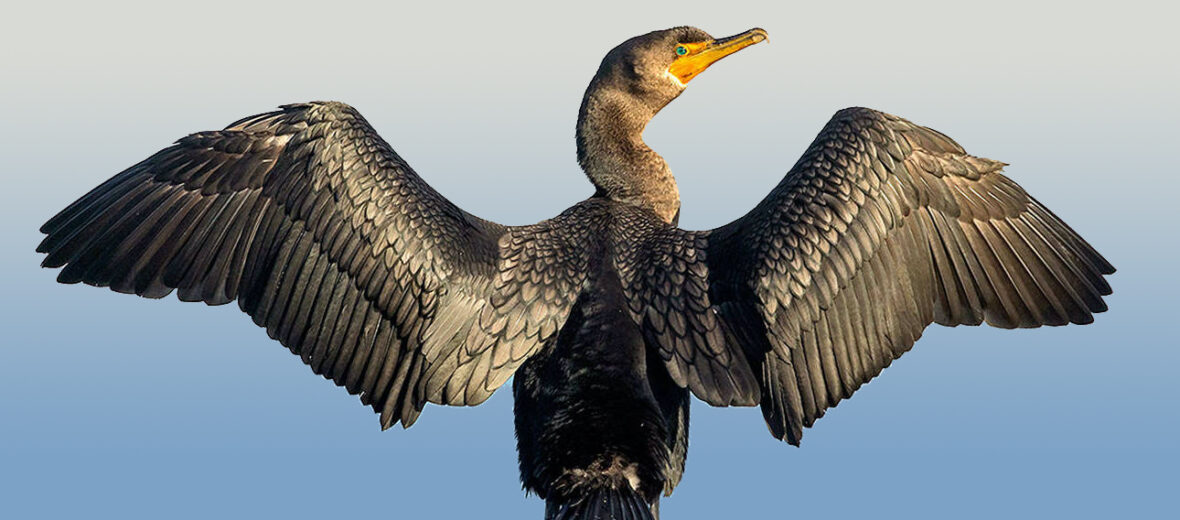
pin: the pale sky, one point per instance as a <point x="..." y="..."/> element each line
<point x="118" y="406"/>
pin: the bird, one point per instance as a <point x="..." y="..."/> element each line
<point x="609" y="318"/>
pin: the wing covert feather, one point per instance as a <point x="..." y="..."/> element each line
<point x="880" y="229"/>
<point x="330" y="241"/>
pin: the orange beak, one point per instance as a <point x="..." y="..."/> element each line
<point x="702" y="54"/>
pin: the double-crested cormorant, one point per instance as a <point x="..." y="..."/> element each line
<point x="609" y="314"/>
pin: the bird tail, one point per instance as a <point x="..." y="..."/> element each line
<point x="605" y="503"/>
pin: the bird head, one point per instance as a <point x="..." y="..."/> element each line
<point x="636" y="80"/>
<point x="657" y="66"/>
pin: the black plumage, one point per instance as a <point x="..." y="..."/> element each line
<point x="609" y="314"/>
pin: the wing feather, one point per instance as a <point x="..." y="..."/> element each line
<point x="932" y="235"/>
<point x="882" y="228"/>
<point x="327" y="239"/>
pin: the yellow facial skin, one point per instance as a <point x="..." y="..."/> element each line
<point x="702" y="54"/>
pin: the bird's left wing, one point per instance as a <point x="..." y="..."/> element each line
<point x="882" y="228"/>
<point x="328" y="239"/>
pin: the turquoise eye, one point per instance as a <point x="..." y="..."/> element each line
<point x="680" y="50"/>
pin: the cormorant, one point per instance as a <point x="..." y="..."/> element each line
<point x="609" y="315"/>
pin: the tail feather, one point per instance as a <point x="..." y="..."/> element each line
<point x="608" y="503"/>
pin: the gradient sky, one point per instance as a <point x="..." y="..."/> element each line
<point x="116" y="406"/>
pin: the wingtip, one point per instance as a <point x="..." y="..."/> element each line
<point x="1107" y="268"/>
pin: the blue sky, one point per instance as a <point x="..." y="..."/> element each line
<point x="115" y="406"/>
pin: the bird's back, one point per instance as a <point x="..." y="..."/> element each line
<point x="595" y="410"/>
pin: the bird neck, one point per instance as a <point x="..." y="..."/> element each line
<point x="612" y="153"/>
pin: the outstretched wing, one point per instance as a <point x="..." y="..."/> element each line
<point x="328" y="239"/>
<point x="880" y="229"/>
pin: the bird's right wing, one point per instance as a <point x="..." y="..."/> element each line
<point x="880" y="229"/>
<point x="329" y="240"/>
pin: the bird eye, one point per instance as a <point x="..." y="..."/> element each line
<point x="681" y="51"/>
